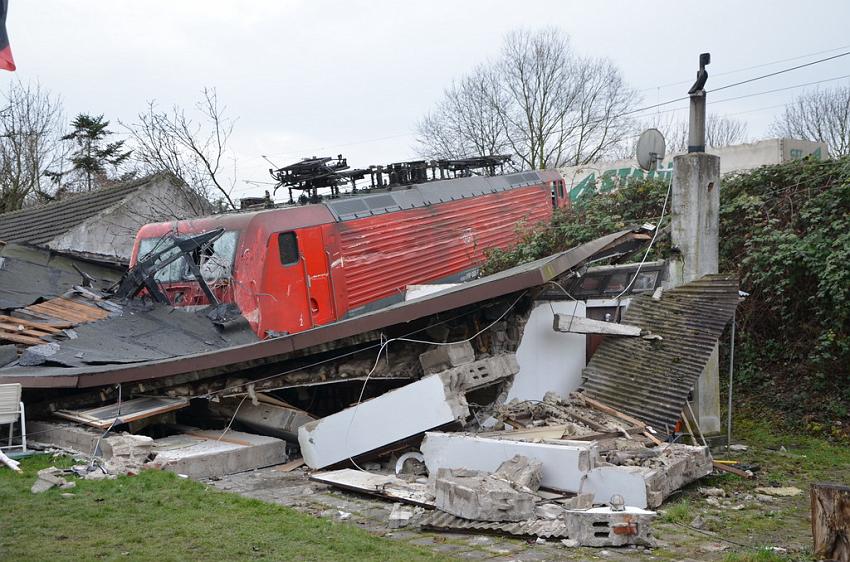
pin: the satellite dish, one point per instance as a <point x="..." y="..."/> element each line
<point x="650" y="149"/>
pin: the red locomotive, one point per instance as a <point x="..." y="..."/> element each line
<point x="292" y="268"/>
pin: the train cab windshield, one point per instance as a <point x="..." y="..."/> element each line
<point x="214" y="260"/>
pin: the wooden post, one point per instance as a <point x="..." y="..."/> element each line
<point x="831" y="521"/>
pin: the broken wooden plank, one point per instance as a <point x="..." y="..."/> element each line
<point x="16" y="338"/>
<point x="30" y="324"/>
<point x="22" y="330"/>
<point x="831" y="521"/>
<point x="580" y="325"/>
<point x="290" y="466"/>
<point x="625" y="417"/>
<point x="731" y="469"/>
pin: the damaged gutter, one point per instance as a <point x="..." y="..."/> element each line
<point x="203" y="364"/>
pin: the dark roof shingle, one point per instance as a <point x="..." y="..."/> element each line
<point x="39" y="225"/>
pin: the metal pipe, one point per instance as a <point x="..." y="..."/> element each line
<point x="731" y="364"/>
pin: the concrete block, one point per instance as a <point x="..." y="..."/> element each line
<point x="65" y="436"/>
<point x="564" y="466"/>
<point x="481" y="496"/>
<point x="602" y="526"/>
<point x="445" y="357"/>
<point x="430" y="402"/>
<point x="206" y="453"/>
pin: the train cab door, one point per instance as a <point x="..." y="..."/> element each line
<point x="314" y="259"/>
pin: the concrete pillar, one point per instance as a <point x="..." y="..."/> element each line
<point x="695" y="215"/>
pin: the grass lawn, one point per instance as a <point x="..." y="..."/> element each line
<point x="158" y="516"/>
<point x="785" y="522"/>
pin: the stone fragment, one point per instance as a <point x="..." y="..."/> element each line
<point x="549" y="511"/>
<point x="712" y="492"/>
<point x="738" y="447"/>
<point x="570" y="543"/>
<point x="780" y="491"/>
<point x="521" y="471"/>
<point x="400" y="516"/>
<point x="47" y="478"/>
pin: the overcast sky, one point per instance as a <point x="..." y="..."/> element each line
<point x="307" y="78"/>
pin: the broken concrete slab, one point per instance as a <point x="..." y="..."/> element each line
<point x="430" y="402"/>
<point x="564" y="465"/>
<point x="604" y="482"/>
<point x="64" y="435"/>
<point x="568" y="323"/>
<point x="481" y="496"/>
<point x="445" y="357"/>
<point x="269" y="419"/>
<point x="206" y="453"/>
<point x="384" y="485"/>
<point x="549" y="360"/>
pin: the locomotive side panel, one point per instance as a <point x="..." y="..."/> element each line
<point x="385" y="253"/>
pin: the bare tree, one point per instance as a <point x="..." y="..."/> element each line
<point x="819" y="115"/>
<point x="539" y="99"/>
<point x="465" y="122"/>
<point x="30" y="144"/>
<point x="719" y="131"/>
<point x="194" y="150"/>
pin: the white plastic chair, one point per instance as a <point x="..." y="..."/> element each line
<point x="12" y="410"/>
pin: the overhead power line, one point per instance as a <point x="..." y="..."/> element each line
<point x="783" y="71"/>
<point x="762" y="65"/>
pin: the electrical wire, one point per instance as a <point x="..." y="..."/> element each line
<point x="762" y="65"/>
<point x="651" y="242"/>
<point x="385" y="344"/>
<point x="778" y="72"/>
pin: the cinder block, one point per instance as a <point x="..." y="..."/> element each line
<point x="445" y="357"/>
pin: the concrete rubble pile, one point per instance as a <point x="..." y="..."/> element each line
<point x="556" y="468"/>
<point x="448" y="449"/>
<point x="505" y="429"/>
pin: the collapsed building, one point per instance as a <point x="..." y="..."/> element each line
<point x="543" y="400"/>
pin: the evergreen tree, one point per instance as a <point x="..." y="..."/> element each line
<point x="94" y="156"/>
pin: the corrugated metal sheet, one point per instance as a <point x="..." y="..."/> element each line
<point x="651" y="379"/>
<point x="432" y="243"/>
<point x="440" y="521"/>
